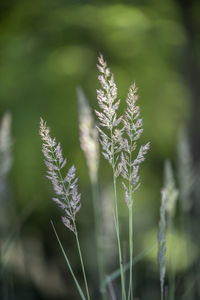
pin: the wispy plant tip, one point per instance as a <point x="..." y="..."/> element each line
<point x="65" y="188"/>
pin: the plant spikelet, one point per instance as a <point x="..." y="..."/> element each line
<point x="108" y="119"/>
<point x="132" y="131"/>
<point x="66" y="189"/>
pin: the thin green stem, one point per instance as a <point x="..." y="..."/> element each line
<point x="130" y="293"/>
<point x="82" y="264"/>
<point x="116" y="216"/>
<point x="68" y="263"/>
<point x="162" y="290"/>
<point x="162" y="293"/>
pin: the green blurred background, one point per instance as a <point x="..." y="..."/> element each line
<point x="47" y="49"/>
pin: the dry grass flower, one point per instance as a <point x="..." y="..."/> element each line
<point x="66" y="189"/>
<point x="108" y="103"/>
<point x="132" y="130"/>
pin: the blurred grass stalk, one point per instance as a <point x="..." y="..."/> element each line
<point x="90" y="146"/>
<point x="5" y="165"/>
<point x="188" y="179"/>
<point x="6" y="240"/>
<point x="186" y="172"/>
<point x="162" y="243"/>
<point x="171" y="200"/>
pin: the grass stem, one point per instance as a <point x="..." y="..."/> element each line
<point x="82" y="264"/>
<point x="116" y="217"/>
<point x="68" y="263"/>
<point x="130" y="293"/>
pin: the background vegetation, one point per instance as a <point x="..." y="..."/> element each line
<point x="47" y="49"/>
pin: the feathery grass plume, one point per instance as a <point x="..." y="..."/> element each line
<point x="171" y="191"/>
<point x="108" y="103"/>
<point x="129" y="166"/>
<point x="171" y="198"/>
<point x="132" y="131"/>
<point x="68" y="198"/>
<point x="66" y="189"/>
<point x="110" y="137"/>
<point x="88" y="135"/>
<point x="186" y="173"/>
<point x="162" y="242"/>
